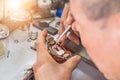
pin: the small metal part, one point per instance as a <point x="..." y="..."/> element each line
<point x="33" y="35"/>
<point x="33" y="48"/>
<point x="16" y="41"/>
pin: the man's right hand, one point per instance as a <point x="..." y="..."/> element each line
<point x="67" y="19"/>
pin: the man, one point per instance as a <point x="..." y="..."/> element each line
<point x="98" y="24"/>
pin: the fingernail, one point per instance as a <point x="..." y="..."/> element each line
<point x="45" y="30"/>
<point x="77" y="57"/>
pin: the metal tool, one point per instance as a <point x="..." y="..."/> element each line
<point x="64" y="33"/>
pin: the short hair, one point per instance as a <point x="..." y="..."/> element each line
<point x="97" y="9"/>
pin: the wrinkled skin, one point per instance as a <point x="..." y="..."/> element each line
<point x="101" y="39"/>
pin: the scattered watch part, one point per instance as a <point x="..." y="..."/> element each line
<point x="33" y="35"/>
<point x="33" y="47"/>
<point x="4" y="31"/>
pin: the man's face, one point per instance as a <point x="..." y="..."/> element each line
<point x="101" y="38"/>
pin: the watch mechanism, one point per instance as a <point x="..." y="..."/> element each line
<point x="58" y="52"/>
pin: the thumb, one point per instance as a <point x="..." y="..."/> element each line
<point x="71" y="63"/>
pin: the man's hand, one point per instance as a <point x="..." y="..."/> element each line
<point x="67" y="19"/>
<point x="46" y="68"/>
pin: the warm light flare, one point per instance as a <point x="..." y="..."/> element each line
<point x="13" y="4"/>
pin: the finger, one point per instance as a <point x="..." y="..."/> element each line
<point x="42" y="52"/>
<point x="41" y="41"/>
<point x="71" y="63"/>
<point x="73" y="37"/>
<point x="74" y="27"/>
<point x="36" y="66"/>
<point x="63" y="18"/>
<point x="61" y="29"/>
<point x="69" y="19"/>
<point x="65" y="13"/>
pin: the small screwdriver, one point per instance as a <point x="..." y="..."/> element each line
<point x="64" y="33"/>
